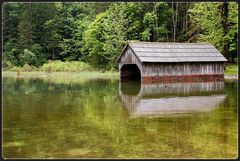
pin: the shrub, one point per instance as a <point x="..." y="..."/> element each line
<point x="34" y="56"/>
<point x="16" y="69"/>
<point x="28" y="68"/>
<point x="40" y="57"/>
<point x="59" y="66"/>
<point x="25" y="68"/>
<point x="51" y="66"/>
<point x="28" y="57"/>
<point x="7" y="65"/>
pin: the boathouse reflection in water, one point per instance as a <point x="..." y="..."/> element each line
<point x="170" y="99"/>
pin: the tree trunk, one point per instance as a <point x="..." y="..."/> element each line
<point x="53" y="54"/>
<point x="225" y="26"/>
<point x="186" y="25"/>
<point x="152" y="35"/>
<point x="156" y="21"/>
<point x="174" y="19"/>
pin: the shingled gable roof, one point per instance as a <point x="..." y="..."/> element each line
<point x="175" y="52"/>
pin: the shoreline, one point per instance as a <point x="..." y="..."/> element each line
<point x="77" y="75"/>
<point x="231" y="77"/>
<point x="63" y="77"/>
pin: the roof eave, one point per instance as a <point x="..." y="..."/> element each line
<point x="181" y="61"/>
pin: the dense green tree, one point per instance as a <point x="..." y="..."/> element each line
<point x="135" y="13"/>
<point x="163" y="22"/>
<point x="114" y="34"/>
<point x="11" y="53"/>
<point x="211" y="25"/>
<point x="105" y="37"/>
<point x="41" y="12"/>
<point x="37" y="49"/>
<point x="96" y="32"/>
<point x="157" y="23"/>
<point x="10" y="17"/>
<point x="233" y="30"/>
<point x="149" y="25"/>
<point x="73" y="19"/>
<point x="28" y="57"/>
<point x="52" y="36"/>
<point x="25" y="27"/>
<point x="93" y="42"/>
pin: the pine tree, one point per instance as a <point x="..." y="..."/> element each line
<point x="25" y="27"/>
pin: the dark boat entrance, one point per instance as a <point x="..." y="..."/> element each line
<point x="130" y="72"/>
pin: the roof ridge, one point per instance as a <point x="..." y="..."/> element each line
<point x="179" y="56"/>
<point x="146" y="42"/>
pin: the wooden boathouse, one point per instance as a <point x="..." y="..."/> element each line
<point x="171" y="62"/>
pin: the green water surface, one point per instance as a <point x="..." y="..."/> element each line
<point x="45" y="119"/>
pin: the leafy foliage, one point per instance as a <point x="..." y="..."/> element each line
<point x="105" y="37"/>
<point x="59" y="66"/>
<point x="207" y="18"/>
<point x="95" y="33"/>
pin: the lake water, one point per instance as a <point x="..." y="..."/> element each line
<point x="109" y="119"/>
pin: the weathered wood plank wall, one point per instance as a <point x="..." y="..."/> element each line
<point x="182" y="69"/>
<point x="129" y="58"/>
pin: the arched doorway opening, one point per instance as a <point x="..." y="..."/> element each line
<point x="130" y="72"/>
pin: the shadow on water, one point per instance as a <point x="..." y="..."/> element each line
<point x="130" y="87"/>
<point x="170" y="99"/>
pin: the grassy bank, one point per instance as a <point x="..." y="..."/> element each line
<point x="52" y="66"/>
<point x="58" y="71"/>
<point x="231" y="69"/>
<point x="72" y="71"/>
<point x="64" y="77"/>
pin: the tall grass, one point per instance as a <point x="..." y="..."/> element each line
<point x="54" y="66"/>
<point x="25" y="68"/>
<point x="231" y="69"/>
<point x="59" y="66"/>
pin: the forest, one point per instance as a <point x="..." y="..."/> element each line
<point x="94" y="34"/>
